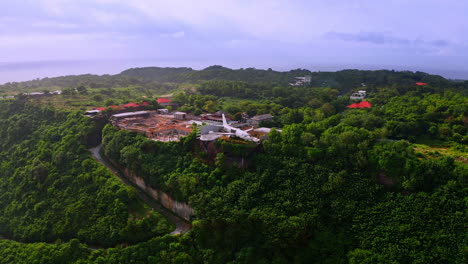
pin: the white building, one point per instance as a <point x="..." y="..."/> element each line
<point x="180" y="115"/>
<point x="358" y="96"/>
<point x="256" y="120"/>
<point x="163" y="111"/>
<point x="299" y="81"/>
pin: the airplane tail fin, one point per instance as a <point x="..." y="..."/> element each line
<point x="224" y="121"/>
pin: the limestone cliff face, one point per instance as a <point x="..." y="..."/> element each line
<point x="181" y="209"/>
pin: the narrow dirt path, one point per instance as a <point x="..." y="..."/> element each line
<point x="181" y="225"/>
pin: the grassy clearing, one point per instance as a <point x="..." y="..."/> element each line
<point x="435" y="149"/>
<point x="184" y="87"/>
<point x="237" y="101"/>
<point x="69" y="102"/>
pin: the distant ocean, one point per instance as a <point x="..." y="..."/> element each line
<point x="24" y="71"/>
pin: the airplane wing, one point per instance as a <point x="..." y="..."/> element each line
<point x="250" y="129"/>
<point x="221" y="133"/>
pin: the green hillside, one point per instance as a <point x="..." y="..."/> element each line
<point x="383" y="184"/>
<point x="154" y="73"/>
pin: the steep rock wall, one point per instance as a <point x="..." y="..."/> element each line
<point x="181" y="209"/>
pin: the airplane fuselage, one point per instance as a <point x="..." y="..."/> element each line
<point x="237" y="132"/>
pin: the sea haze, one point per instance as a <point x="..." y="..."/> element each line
<point x="29" y="70"/>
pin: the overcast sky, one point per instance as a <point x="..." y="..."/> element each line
<point x="41" y="38"/>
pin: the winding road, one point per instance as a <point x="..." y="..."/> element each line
<point x="181" y="225"/>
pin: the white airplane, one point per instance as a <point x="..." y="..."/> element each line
<point x="238" y="132"/>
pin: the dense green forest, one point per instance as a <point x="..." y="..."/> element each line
<point x="161" y="80"/>
<point x="52" y="190"/>
<point x="388" y="184"/>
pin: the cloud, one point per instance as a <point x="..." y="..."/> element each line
<point x="369" y="37"/>
<point x="238" y="43"/>
<point x="178" y="34"/>
<point x="381" y="38"/>
<point x="53" y="24"/>
<point x="282" y="32"/>
<point x="299" y="21"/>
<point x="254" y="18"/>
<point x="53" y="7"/>
<point x="62" y="46"/>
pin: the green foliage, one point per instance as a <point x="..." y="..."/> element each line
<point x="153" y="73"/>
<point x="432" y="115"/>
<point x="52" y="189"/>
<point x="336" y="185"/>
<point x="20" y="253"/>
<point x="165" y="166"/>
<point x="82" y="89"/>
<point x="398" y="230"/>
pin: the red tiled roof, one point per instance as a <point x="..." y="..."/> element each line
<point x="144" y="104"/>
<point x="131" y="105"/>
<point x="421" y="83"/>
<point x="363" y="104"/>
<point x="163" y="100"/>
<point x="99" y="108"/>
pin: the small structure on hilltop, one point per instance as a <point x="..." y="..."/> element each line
<point x="215" y="117"/>
<point x="163" y="111"/>
<point x="92" y="113"/>
<point x="164" y="102"/>
<point x="180" y="115"/>
<point x="256" y="120"/>
<point x="358" y="96"/>
<point x="36" y="94"/>
<point x="299" y="81"/>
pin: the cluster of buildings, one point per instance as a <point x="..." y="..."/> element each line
<point x="163" y="125"/>
<point x="159" y="127"/>
<point x="359" y="95"/>
<point x="300" y="81"/>
<point x="33" y="94"/>
<point x="43" y="93"/>
<point x="166" y="125"/>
